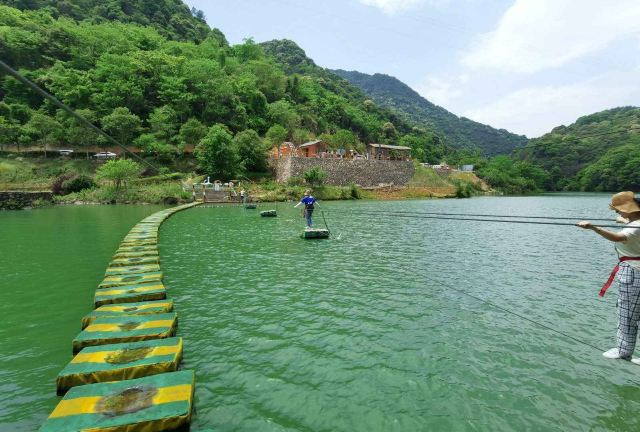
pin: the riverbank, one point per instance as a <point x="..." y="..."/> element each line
<point x="74" y="181"/>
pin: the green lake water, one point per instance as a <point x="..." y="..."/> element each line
<point x="358" y="333"/>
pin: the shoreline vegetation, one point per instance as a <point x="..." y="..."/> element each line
<point x="81" y="181"/>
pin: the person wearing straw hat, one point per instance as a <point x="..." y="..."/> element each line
<point x="627" y="244"/>
<point x="309" y="203"/>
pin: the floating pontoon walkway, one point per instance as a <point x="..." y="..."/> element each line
<point x="123" y="376"/>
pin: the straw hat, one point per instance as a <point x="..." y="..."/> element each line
<point x="624" y="202"/>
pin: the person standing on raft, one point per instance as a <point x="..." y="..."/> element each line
<point x="627" y="244"/>
<point x="309" y="203"/>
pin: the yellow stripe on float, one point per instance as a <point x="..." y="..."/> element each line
<point x="99" y="357"/>
<point x="141" y="326"/>
<point x="121" y="308"/>
<point x="117" y="290"/>
<point x="87" y="405"/>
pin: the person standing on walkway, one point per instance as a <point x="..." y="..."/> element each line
<point x="627" y="244"/>
<point x="309" y="203"/>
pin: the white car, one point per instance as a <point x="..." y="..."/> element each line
<point x="105" y="155"/>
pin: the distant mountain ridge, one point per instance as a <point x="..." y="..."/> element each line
<point x="599" y="152"/>
<point x="461" y="132"/>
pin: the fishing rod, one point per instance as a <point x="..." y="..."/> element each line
<point x="69" y="111"/>
<point x="486" y="215"/>
<point x="325" y="221"/>
<point x="486" y="220"/>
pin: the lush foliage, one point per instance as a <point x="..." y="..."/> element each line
<point x="597" y="152"/>
<point x="315" y="176"/>
<point x="218" y="155"/>
<point x="460" y="132"/>
<point x="512" y="176"/>
<point x="118" y="171"/>
<point x="150" y="75"/>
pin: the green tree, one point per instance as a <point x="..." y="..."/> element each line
<point x="80" y="135"/>
<point x="275" y="136"/>
<point x="252" y="151"/>
<point x="123" y="126"/>
<point x="282" y="113"/>
<point x="191" y="133"/>
<point x="217" y="154"/>
<point x="163" y="123"/>
<point x="9" y="132"/>
<point x="118" y="171"/>
<point x="45" y="130"/>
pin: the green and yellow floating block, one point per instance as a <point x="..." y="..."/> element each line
<point x="130" y="328"/>
<point x="136" y="253"/>
<point x="133" y="269"/>
<point x="134" y="260"/>
<point x="130" y="279"/>
<point x="139" y="242"/>
<point x="134" y="248"/>
<point x="154" y="403"/>
<point x="118" y="362"/>
<point x="130" y="293"/>
<point x="137" y="308"/>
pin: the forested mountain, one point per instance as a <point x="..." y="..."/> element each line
<point x="599" y="152"/>
<point x="171" y="18"/>
<point x="162" y="94"/>
<point x="459" y="131"/>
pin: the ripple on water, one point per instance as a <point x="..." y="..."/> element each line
<point x="365" y="333"/>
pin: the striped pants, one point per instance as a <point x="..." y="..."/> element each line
<point x="628" y="306"/>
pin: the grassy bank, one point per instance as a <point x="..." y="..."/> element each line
<point x="18" y="173"/>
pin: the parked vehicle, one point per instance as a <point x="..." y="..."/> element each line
<point x="105" y="155"/>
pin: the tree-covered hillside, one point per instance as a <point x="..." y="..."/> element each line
<point x="171" y="18"/>
<point x="459" y="131"/>
<point x="599" y="152"/>
<point x="163" y="95"/>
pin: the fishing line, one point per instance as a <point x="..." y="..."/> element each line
<point x="391" y="214"/>
<point x="503" y="309"/>
<point x="486" y="215"/>
<point x="68" y="110"/>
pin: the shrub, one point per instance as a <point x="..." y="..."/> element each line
<point x="57" y="187"/>
<point x="295" y="181"/>
<point x="78" y="183"/>
<point x="315" y="176"/>
<point x="355" y="191"/>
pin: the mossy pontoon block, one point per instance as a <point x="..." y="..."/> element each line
<point x="154" y="403"/>
<point x="269" y="213"/>
<point x="136" y="308"/>
<point x="132" y="269"/>
<point x="124" y="261"/>
<point x="130" y="294"/>
<point x="139" y="242"/>
<point x="132" y="328"/>
<point x="118" y="362"/>
<point x="315" y="233"/>
<point x="131" y="279"/>
<point x="250" y="206"/>
<point x="136" y="253"/>
<point x="134" y="248"/>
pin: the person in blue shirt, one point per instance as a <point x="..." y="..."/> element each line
<point x="309" y="203"/>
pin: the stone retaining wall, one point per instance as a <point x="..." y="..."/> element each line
<point x="16" y="200"/>
<point x="342" y="172"/>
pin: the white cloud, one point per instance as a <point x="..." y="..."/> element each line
<point x="441" y="91"/>
<point x="391" y="7"/>
<point x="534" y="111"/>
<point x="538" y="34"/>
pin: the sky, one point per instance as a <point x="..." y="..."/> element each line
<point x="522" y="65"/>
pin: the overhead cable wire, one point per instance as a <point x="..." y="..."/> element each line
<point x="391" y="214"/>
<point x="489" y="215"/>
<point x="68" y="110"/>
